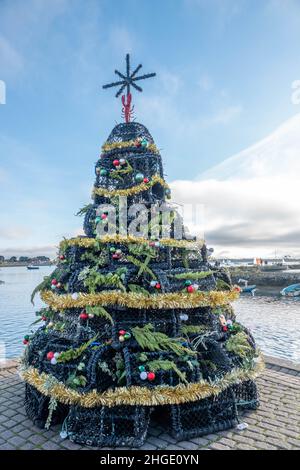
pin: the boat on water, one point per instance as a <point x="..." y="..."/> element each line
<point x="32" y="266"/>
<point x="274" y="267"/>
<point x="246" y="288"/>
<point x="291" y="291"/>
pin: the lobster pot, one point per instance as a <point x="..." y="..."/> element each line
<point x="165" y="321"/>
<point x="162" y="377"/>
<point x="112" y="427"/>
<point x="198" y="316"/>
<point x="246" y="395"/>
<point x="37" y="408"/>
<point x="202" y="417"/>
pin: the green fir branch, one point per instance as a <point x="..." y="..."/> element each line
<point x="150" y="340"/>
<point x="192" y="275"/>
<point x="138" y="289"/>
<point x="193" y="329"/>
<point x="94" y="279"/>
<point x="99" y="311"/>
<point x="222" y="285"/>
<point x="72" y="354"/>
<point x="239" y="345"/>
<point x="161" y="364"/>
<point x="84" y="210"/>
<point x="141" y="265"/>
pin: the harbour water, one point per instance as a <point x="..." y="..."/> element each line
<point x="274" y="321"/>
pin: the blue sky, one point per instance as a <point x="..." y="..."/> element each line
<point x="224" y="73"/>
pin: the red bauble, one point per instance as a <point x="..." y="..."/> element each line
<point x="151" y="376"/>
<point x="190" y="289"/>
<point x="103" y="216"/>
<point x="146" y="180"/>
<point x="50" y="355"/>
<point x="83" y="316"/>
<point x="115" y="256"/>
<point x="151" y="243"/>
<point x="44" y="318"/>
<point x="225" y="328"/>
<point x="61" y="257"/>
<point x="157" y="286"/>
<point x="25" y="341"/>
<point x="122" y="332"/>
<point x="116" y="163"/>
<point x="54" y="282"/>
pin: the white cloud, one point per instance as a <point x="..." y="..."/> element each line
<point x="225" y="115"/>
<point x="170" y="81"/>
<point x="15" y="232"/>
<point x="222" y="11"/>
<point x="3" y="175"/>
<point x="11" y="62"/>
<point x="121" y="40"/>
<point x="205" y="83"/>
<point x="252" y="199"/>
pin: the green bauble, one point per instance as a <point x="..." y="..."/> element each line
<point x="139" y="177"/>
<point x="103" y="172"/>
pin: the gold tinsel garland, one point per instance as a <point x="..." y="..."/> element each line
<point x="121" y="145"/>
<point x="137" y="300"/>
<point x="85" y="242"/>
<point x="139" y="188"/>
<point x="135" y="395"/>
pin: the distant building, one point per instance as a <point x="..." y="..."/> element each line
<point x="2" y="259"/>
<point x="13" y="259"/>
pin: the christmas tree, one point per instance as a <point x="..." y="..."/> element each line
<point x="138" y="322"/>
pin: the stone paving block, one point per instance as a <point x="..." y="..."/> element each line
<point x="28" y="446"/>
<point x="7" y="446"/>
<point x="6" y="434"/>
<point x="294" y="442"/>
<point x="188" y="445"/>
<point x="69" y="444"/>
<point x="157" y="442"/>
<point x="280" y="444"/>
<point x="37" y="439"/>
<point x="200" y="441"/>
<point x="218" y="446"/>
<point x="168" y="438"/>
<point x="9" y="413"/>
<point x="227" y="442"/>
<point x="49" y="445"/>
<point x="17" y="441"/>
<point x="264" y="446"/>
<point x="212" y="437"/>
<point x="148" y="447"/>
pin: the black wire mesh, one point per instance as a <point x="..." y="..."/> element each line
<point x="113" y="427"/>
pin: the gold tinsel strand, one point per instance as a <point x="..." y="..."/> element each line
<point x="137" y="300"/>
<point x="120" y="145"/>
<point x="135" y="395"/>
<point x="139" y="188"/>
<point x="127" y="239"/>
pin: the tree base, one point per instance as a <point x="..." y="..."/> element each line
<point x="128" y="425"/>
